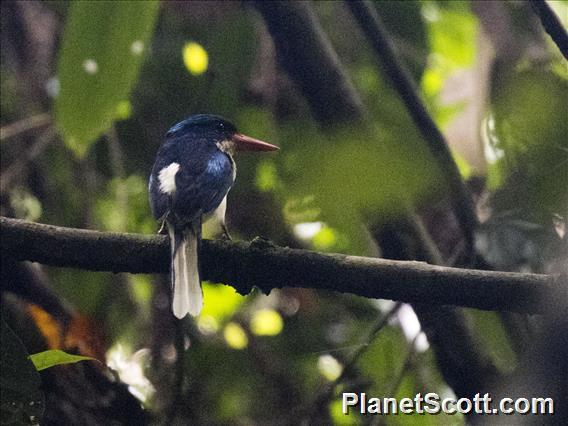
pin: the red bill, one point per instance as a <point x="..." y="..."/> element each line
<point x="246" y="143"/>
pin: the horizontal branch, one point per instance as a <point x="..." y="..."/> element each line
<point x="261" y="264"/>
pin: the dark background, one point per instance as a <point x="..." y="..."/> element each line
<point x="354" y="175"/>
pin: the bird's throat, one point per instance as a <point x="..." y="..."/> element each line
<point x="227" y="146"/>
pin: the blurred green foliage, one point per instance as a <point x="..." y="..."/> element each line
<point x="533" y="151"/>
<point x="356" y="175"/>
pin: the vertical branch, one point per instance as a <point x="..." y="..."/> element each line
<point x="309" y="58"/>
<point x="176" y="397"/>
<point x="551" y="24"/>
<point x="367" y="17"/>
<point x="306" y="54"/>
<point x="466" y="365"/>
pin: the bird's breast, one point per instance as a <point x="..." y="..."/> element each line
<point x="220" y="163"/>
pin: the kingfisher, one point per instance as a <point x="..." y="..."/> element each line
<point x="191" y="177"/>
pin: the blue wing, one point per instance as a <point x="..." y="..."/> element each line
<point x="204" y="178"/>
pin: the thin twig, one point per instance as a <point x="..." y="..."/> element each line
<point x="270" y="365"/>
<point x="312" y="410"/>
<point x="24" y="125"/>
<point x="176" y="397"/>
<point x="373" y="333"/>
<point x="16" y="168"/>
<point x="406" y="366"/>
<point x="466" y="365"/>
<point x="368" y="19"/>
<point x="551" y="24"/>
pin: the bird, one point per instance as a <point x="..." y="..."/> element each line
<point x="190" y="179"/>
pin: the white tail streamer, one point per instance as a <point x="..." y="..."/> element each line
<point x="186" y="285"/>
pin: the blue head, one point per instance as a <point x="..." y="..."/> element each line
<point x="216" y="130"/>
<point x="213" y="127"/>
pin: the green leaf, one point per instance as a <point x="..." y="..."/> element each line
<point x="489" y="327"/>
<point x="382" y="362"/>
<point x="46" y="359"/>
<point x="101" y="54"/>
<point x="223" y="301"/>
<point x="21" y="399"/>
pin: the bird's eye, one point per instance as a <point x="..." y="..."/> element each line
<point x="221" y="126"/>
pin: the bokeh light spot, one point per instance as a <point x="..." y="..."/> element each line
<point x="195" y="58"/>
<point x="266" y="322"/>
<point x="235" y="336"/>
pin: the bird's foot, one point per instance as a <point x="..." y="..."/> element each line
<point x="262" y="243"/>
<point x="162" y="229"/>
<point x="226" y="235"/>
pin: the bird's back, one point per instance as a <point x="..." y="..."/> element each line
<point x="204" y="177"/>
